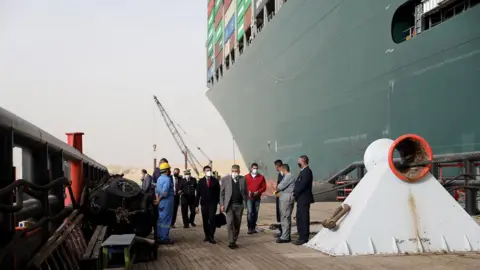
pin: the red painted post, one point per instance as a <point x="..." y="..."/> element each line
<point x="75" y="140"/>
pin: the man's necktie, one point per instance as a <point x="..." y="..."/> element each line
<point x="208" y="182"/>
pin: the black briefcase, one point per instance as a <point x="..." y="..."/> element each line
<point x="220" y="220"/>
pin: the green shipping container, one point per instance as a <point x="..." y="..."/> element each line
<point x="218" y="3"/>
<point x="211" y="19"/>
<point x="210" y="34"/>
<point x="239" y="2"/>
<point x="210" y="48"/>
<point x="219" y="32"/>
<point x="240" y="29"/>
<point x="243" y="7"/>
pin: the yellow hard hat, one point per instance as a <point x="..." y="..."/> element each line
<point x="164" y="166"/>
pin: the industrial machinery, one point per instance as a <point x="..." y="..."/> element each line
<point x="122" y="205"/>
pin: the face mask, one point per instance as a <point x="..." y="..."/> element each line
<point x="254" y="171"/>
<point x="234" y="175"/>
<point x="209" y="173"/>
<point x="175" y="174"/>
<point x="299" y="165"/>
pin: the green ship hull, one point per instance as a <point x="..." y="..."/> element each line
<point x="325" y="78"/>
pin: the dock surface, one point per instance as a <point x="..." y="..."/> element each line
<point x="259" y="251"/>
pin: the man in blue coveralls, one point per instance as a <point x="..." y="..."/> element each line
<point x="164" y="200"/>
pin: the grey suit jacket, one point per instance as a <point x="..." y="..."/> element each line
<point x="286" y="187"/>
<point x="226" y="190"/>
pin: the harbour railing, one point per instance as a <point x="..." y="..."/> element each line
<point x="465" y="184"/>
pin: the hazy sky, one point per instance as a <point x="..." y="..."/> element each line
<point x="93" y="66"/>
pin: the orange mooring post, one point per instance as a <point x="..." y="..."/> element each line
<point x="75" y="140"/>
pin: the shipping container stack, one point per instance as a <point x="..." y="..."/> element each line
<point x="231" y="26"/>
<point x="244" y="15"/>
<point x="229" y="32"/>
<point x="209" y="47"/>
<point x="218" y="39"/>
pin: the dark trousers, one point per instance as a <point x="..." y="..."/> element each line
<point x="303" y="221"/>
<point x="208" y="220"/>
<point x="188" y="202"/>
<point x="279" y="216"/>
<point x="154" y="221"/>
<point x="176" y="202"/>
<point x="278" y="210"/>
<point x="253" y="207"/>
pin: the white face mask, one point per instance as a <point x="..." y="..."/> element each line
<point x="209" y="173"/>
<point x="234" y="175"/>
<point x="254" y="171"/>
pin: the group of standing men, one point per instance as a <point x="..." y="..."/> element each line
<point x="233" y="194"/>
<point x="169" y="191"/>
<point x="291" y="189"/>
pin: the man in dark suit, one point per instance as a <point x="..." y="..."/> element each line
<point x="187" y="191"/>
<point x="177" y="181"/>
<point x="278" y="166"/>
<point x="208" y="197"/>
<point x="302" y="194"/>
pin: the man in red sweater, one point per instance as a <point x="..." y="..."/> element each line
<point x="256" y="185"/>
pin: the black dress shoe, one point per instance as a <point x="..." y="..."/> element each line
<point x="232" y="245"/>
<point x="185" y="227"/>
<point x="193" y="224"/>
<point x="281" y="241"/>
<point x="212" y="241"/>
<point x="249" y="232"/>
<point x="206" y="239"/>
<point x="165" y="242"/>
<point x="299" y="242"/>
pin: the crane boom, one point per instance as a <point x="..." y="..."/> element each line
<point x="189" y="157"/>
<point x="210" y="162"/>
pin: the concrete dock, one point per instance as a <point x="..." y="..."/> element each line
<point x="259" y="251"/>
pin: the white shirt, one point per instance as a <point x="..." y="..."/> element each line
<point x="175" y="181"/>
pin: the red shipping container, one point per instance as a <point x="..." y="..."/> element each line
<point x="211" y="4"/>
<point x="219" y="16"/>
<point x="247" y="19"/>
<point x="231" y="42"/>
<point x="227" y="3"/>
<point x="209" y="61"/>
<point x="219" y="58"/>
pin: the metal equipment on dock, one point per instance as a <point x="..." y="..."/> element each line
<point x="463" y="182"/>
<point x="398" y="208"/>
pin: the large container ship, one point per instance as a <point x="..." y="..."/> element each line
<point x="327" y="77"/>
